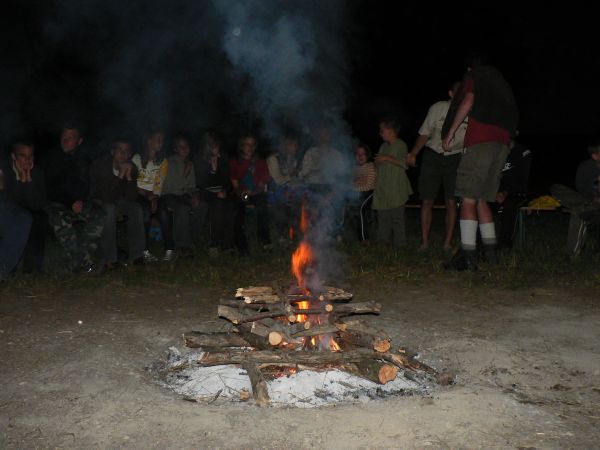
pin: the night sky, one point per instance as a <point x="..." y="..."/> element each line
<point x="115" y="66"/>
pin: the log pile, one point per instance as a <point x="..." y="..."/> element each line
<point x="272" y="327"/>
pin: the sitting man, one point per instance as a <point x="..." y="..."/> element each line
<point x="15" y="223"/>
<point x="113" y="187"/>
<point x="67" y="186"/>
<point x="512" y="192"/>
<point x="584" y="200"/>
<point x="25" y="187"/>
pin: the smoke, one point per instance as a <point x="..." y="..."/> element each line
<point x="293" y="55"/>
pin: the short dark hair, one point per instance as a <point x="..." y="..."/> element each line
<point x="392" y="123"/>
<point x="120" y="140"/>
<point x="594" y="145"/>
<point x="72" y="125"/>
<point x="21" y="141"/>
<point x="366" y="148"/>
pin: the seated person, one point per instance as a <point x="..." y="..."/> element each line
<point x="180" y="198"/>
<point x="283" y="189"/>
<point x="152" y="170"/>
<point x="212" y="179"/>
<point x="113" y="187"/>
<point x="359" y="212"/>
<point x="249" y="175"/>
<point x="512" y="192"/>
<point x="15" y="223"/>
<point x="584" y="199"/>
<point x="67" y="186"/>
<point x="25" y="186"/>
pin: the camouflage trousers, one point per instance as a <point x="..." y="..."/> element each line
<point x="78" y="234"/>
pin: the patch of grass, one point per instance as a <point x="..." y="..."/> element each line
<point x="540" y="260"/>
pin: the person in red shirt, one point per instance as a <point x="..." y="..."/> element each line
<point x="249" y="176"/>
<point x="487" y="99"/>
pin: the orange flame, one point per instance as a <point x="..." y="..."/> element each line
<point x="291" y="233"/>
<point x="301" y="259"/>
<point x="305" y="304"/>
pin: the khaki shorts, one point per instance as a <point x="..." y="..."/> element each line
<point x="479" y="171"/>
<point x="438" y="169"/>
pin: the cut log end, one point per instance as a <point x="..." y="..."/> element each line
<point x="387" y="373"/>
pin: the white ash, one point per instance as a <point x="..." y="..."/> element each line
<point x="305" y="389"/>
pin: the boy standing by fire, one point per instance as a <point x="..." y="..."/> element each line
<point x="392" y="186"/>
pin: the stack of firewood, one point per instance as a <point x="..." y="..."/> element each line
<point x="270" y="328"/>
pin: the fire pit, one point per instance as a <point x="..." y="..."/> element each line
<point x="280" y="334"/>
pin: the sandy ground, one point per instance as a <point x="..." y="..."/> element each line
<point x="527" y="365"/>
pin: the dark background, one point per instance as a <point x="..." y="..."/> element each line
<point x="115" y="66"/>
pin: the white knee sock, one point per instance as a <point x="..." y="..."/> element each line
<point x="488" y="233"/>
<point x="468" y="234"/>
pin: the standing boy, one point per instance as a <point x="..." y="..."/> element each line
<point x="392" y="186"/>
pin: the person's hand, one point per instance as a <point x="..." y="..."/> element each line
<point x="380" y="159"/>
<point x="154" y="204"/>
<point x="214" y="161"/>
<point x="222" y="194"/>
<point x="411" y="159"/>
<point x="195" y="201"/>
<point x="125" y="171"/>
<point x="500" y="197"/>
<point x="77" y="207"/>
<point x="187" y="168"/>
<point x="447" y="141"/>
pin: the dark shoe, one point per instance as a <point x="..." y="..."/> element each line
<point x="186" y="252"/>
<point x="462" y="261"/>
<point x="490" y="256"/>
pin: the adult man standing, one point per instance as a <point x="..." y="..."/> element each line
<point x="437" y="167"/>
<point x="487" y="99"/>
<point x="67" y="184"/>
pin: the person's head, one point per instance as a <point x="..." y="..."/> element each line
<point x="71" y="137"/>
<point x="153" y="143"/>
<point x="389" y="129"/>
<point x="289" y="144"/>
<point x="182" y="146"/>
<point x="362" y="153"/>
<point x="476" y="58"/>
<point x="22" y="154"/>
<point x="120" y="150"/>
<point x="594" y="148"/>
<point x="247" y="146"/>
<point x="210" y="145"/>
<point x="453" y="89"/>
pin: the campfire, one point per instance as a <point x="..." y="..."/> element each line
<point x="277" y="332"/>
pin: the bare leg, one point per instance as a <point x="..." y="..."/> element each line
<point x="426" y="212"/>
<point x="484" y="212"/>
<point x="468" y="209"/>
<point x="450" y="222"/>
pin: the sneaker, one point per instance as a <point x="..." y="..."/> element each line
<point x="169" y="255"/>
<point x="149" y="257"/>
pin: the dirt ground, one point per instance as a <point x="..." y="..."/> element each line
<point x="527" y="365"/>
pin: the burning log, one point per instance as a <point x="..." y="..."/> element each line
<point x="260" y="391"/>
<point x="360" y="339"/>
<point x="357" y="308"/>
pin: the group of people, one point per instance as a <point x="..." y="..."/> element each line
<point x="468" y="148"/>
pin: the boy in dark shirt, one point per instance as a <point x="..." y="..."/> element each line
<point x="113" y="187"/>
<point x="67" y="184"/>
<point x="25" y="187"/>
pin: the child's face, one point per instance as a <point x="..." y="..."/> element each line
<point x="70" y="140"/>
<point x="182" y="148"/>
<point x="248" y="147"/>
<point x="23" y="157"/>
<point x="387" y="134"/>
<point x="155" y="142"/>
<point x="361" y="156"/>
<point x="121" y="152"/>
<point x="290" y="146"/>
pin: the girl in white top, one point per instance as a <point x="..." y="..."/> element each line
<point x="152" y="170"/>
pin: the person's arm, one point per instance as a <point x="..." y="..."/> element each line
<point x="276" y="174"/>
<point x="464" y="108"/>
<point x="411" y="157"/>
